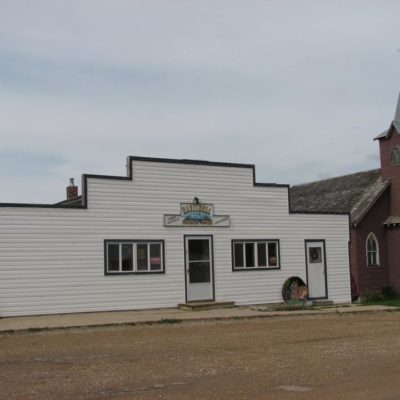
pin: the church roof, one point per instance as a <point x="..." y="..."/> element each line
<point x="394" y="125"/>
<point x="393" y="220"/>
<point x="354" y="193"/>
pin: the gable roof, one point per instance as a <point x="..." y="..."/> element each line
<point x="354" y="194"/>
<point x="396" y="121"/>
<point x="394" y="125"/>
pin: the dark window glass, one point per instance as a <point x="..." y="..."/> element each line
<point x="273" y="254"/>
<point x="249" y="255"/>
<point x="262" y="254"/>
<point x="372" y="251"/>
<point x="199" y="272"/>
<point x="155" y="257"/>
<point x="245" y="255"/>
<point x="238" y="253"/>
<point x="372" y="259"/>
<point x="199" y="250"/>
<point x="113" y="257"/>
<point x="127" y="257"/>
<point x="141" y="250"/>
<point x="315" y="255"/>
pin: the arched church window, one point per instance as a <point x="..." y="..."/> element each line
<point x="372" y="251"/>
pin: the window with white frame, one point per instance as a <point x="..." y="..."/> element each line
<point x="131" y="256"/>
<point x="372" y="251"/>
<point x="255" y="254"/>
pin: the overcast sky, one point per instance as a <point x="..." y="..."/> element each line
<point x="298" y="88"/>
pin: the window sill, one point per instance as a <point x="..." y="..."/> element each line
<point x="255" y="269"/>
<point x="134" y="273"/>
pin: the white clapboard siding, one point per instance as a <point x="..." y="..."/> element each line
<point x="52" y="259"/>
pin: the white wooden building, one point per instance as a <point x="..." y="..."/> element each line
<point x="171" y="231"/>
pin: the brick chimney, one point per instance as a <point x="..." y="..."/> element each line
<point x="389" y="145"/>
<point x="72" y="190"/>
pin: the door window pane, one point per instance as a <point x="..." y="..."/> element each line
<point x="127" y="257"/>
<point x="238" y="253"/>
<point x="262" y="254"/>
<point x="315" y="254"/>
<point x="199" y="272"/>
<point x="199" y="250"/>
<point x="113" y="257"/>
<point x="273" y="254"/>
<point x="155" y="257"/>
<point x="250" y="255"/>
<point x="142" y="264"/>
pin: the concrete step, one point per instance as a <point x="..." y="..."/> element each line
<point x="206" y="305"/>
<point x="322" y="303"/>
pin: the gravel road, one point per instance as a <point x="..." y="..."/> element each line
<point x="314" y="357"/>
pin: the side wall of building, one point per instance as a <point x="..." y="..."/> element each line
<point x="370" y="279"/>
<point x="354" y="269"/>
<point x="52" y="260"/>
<point x="393" y="238"/>
<point x="392" y="172"/>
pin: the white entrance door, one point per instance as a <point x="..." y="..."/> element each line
<point x="316" y="269"/>
<point x="199" y="265"/>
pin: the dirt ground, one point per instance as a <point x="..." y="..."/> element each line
<point x="314" y="357"/>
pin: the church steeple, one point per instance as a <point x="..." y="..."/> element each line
<point x="395" y="125"/>
<point x="396" y="121"/>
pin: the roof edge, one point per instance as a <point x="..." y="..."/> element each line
<point x="319" y="212"/>
<point x="336" y="177"/>
<point x="129" y="176"/>
<point x="386" y="184"/>
<point x="388" y="133"/>
<point x="206" y="163"/>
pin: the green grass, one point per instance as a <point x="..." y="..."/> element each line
<point x="382" y="302"/>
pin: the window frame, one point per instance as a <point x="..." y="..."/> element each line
<point x="134" y="243"/>
<point x="255" y="242"/>
<point x="372" y="236"/>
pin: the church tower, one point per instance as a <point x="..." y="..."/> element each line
<point x="389" y="144"/>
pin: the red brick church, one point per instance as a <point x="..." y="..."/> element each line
<point x="372" y="199"/>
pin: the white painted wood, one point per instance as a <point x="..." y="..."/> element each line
<point x="316" y="270"/>
<point x="52" y="260"/>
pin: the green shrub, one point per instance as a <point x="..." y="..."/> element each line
<point x="371" y="297"/>
<point x="389" y="293"/>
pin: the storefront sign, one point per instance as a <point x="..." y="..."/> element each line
<point x="196" y="214"/>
